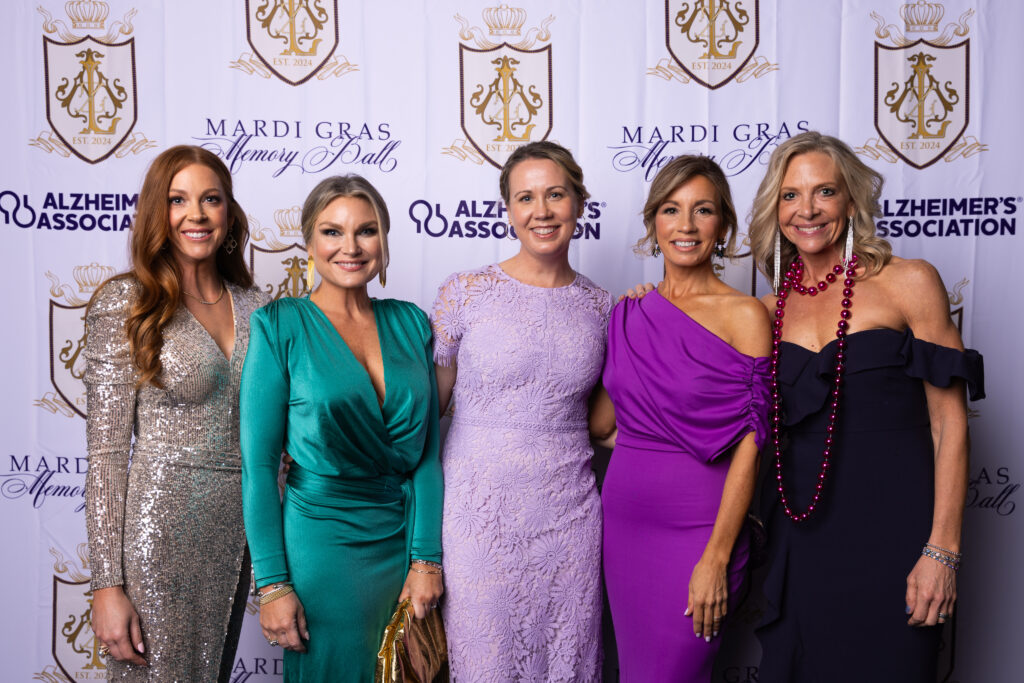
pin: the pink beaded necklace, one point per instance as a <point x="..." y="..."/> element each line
<point x="792" y="281"/>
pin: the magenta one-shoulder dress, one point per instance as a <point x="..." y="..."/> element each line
<point x="683" y="398"/>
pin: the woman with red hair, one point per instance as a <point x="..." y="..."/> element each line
<point x="166" y="341"/>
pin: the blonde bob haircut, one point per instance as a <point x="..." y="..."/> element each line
<point x="863" y="184"/>
<point x="355" y="186"/>
<point x="552" y="151"/>
<point x="675" y="173"/>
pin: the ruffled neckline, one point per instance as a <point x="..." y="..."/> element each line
<point x="808" y="374"/>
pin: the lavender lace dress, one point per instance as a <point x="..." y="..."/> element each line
<point x="522" y="517"/>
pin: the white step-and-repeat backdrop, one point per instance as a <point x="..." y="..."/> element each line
<point x="427" y="99"/>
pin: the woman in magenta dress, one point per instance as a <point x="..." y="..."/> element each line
<point x="522" y="342"/>
<point x="685" y="402"/>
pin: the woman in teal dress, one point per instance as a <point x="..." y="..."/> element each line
<point x="345" y="384"/>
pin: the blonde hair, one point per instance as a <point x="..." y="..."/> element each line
<point x="681" y="170"/>
<point x="863" y="184"/>
<point x="355" y="186"/>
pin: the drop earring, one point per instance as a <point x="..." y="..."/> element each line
<point x="849" y="242"/>
<point x="778" y="260"/>
<point x="310" y="274"/>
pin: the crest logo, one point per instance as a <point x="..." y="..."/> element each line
<point x="280" y="268"/>
<point x="293" y="40"/>
<point x="922" y="89"/>
<point x="91" y="102"/>
<point x="504" y="88"/>
<point x="74" y="646"/>
<point x="712" y="42"/>
<point x="67" y="338"/>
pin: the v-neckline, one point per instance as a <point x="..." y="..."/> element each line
<point x="234" y="327"/>
<point x="378" y="400"/>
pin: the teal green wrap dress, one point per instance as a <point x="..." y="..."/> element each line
<point x="365" y="491"/>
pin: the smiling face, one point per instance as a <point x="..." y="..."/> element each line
<point x="542" y="207"/>
<point x="814" y="203"/>
<point x="197" y="214"/>
<point x="689" y="222"/>
<point x="346" y="247"/>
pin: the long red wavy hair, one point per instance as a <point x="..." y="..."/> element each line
<point x="153" y="264"/>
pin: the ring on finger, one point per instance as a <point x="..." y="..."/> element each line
<point x="943" y="615"/>
<point x="103" y="651"/>
<point x="273" y="643"/>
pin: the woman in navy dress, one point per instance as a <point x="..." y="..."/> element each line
<point x="865" y="481"/>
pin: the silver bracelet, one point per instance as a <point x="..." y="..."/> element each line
<point x="429" y="563"/>
<point x="950" y="562"/>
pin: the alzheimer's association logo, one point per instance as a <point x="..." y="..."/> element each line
<point x="504" y="88"/>
<point x="91" y="102"/>
<point x="279" y="267"/>
<point x="293" y="39"/>
<point x="922" y="89"/>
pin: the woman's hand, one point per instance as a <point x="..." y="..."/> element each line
<point x="284" y="623"/>
<point x="116" y="624"/>
<point x="931" y="590"/>
<point x="709" y="597"/>
<point x="423" y="590"/>
<point x="637" y="292"/>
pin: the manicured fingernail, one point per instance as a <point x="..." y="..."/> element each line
<point x="715" y="634"/>
<point x="707" y="639"/>
<point x="142" y="647"/>
<point x="909" y="610"/>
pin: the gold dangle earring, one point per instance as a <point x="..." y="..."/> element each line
<point x="310" y="274"/>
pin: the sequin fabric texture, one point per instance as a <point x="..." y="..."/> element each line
<point x="522" y="518"/>
<point x="164" y="517"/>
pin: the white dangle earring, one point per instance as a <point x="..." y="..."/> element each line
<point x="849" y="242"/>
<point x="778" y="259"/>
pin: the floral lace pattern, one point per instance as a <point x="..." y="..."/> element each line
<point x="522" y="517"/>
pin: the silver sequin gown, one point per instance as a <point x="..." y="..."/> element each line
<point x="164" y="516"/>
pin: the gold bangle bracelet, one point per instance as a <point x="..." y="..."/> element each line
<point x="269" y="597"/>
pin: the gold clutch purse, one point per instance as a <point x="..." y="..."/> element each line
<point x="414" y="650"/>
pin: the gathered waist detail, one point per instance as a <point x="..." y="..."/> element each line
<point x="561" y="427"/>
<point x="386" y="488"/>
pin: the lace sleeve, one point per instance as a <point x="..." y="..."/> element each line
<point x="110" y="394"/>
<point x="447" y="321"/>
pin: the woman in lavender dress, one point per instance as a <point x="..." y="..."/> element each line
<point x="520" y="346"/>
<point x="686" y="400"/>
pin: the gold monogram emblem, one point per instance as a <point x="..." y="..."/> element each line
<point x="296" y="22"/>
<point x="75" y="647"/>
<point x="511" y="107"/>
<point x="293" y="40"/>
<point x="505" y="87"/>
<point x="68" y="338"/>
<point x="921" y="101"/>
<point x="102" y="98"/>
<point x="922" y="87"/>
<point x="279" y="268"/>
<point x="712" y="42"/>
<point x="90" y="86"/>
<point x="713" y="24"/>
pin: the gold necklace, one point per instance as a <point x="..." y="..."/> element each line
<point x="203" y="301"/>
